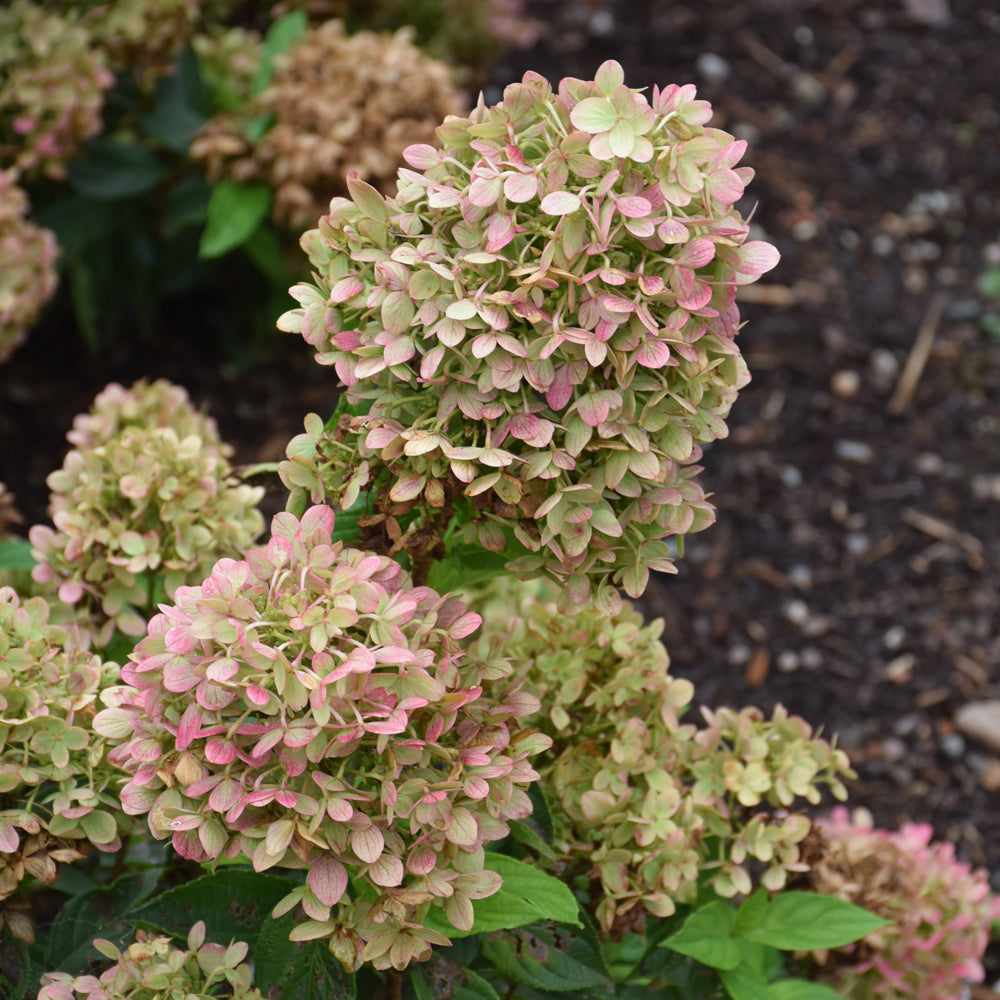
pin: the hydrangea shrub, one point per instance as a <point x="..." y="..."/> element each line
<point x="58" y="793"/>
<point x="940" y="909"/>
<point x="53" y="84"/>
<point x="27" y="265"/>
<point x="542" y="326"/>
<point x="307" y="707"/>
<point x="656" y="807"/>
<point x="154" y="968"/>
<point x="146" y="494"/>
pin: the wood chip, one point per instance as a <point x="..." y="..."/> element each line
<point x="764" y="571"/>
<point x="917" y="359"/>
<point x="758" y="667"/>
<point x="944" y="532"/>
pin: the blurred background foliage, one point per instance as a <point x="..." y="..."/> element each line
<point x="160" y="158"/>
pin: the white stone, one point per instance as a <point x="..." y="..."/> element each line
<point x="980" y="720"/>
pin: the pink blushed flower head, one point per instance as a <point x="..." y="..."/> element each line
<point x="941" y="909"/>
<point x="569" y="260"/>
<point x="308" y="707"/>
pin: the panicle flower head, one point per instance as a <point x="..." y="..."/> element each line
<point x="636" y="792"/>
<point x="146" y="495"/>
<point x="308" y="707"/>
<point x="340" y="103"/>
<point x="27" y="265"/>
<point x="940" y="909"/>
<point x="58" y="794"/>
<point x="52" y="87"/>
<point x="542" y="325"/>
<point x="154" y="967"/>
<point x="141" y="36"/>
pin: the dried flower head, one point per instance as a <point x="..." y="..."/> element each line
<point x="340" y="103"/>
<point x="27" y="265"/>
<point x="141" y="36"/>
<point x="464" y="35"/>
<point x="308" y="707"/>
<point x="941" y="910"/>
<point x="228" y="59"/>
<point x="636" y="793"/>
<point x="52" y="87"/>
<point x="145" y="502"/>
<point x="154" y="968"/>
<point x="543" y="323"/>
<point x="58" y="794"/>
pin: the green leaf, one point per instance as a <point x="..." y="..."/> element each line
<point x="186" y="204"/>
<point x="15" y="553"/>
<point x="800" y="989"/>
<point x="743" y="983"/>
<point x="232" y="902"/>
<point x="539" y="959"/>
<point x="475" y="988"/>
<point x="750" y="913"/>
<point x="177" y="113"/>
<point x="113" y="169"/>
<point x="464" y="564"/>
<point x="234" y="213"/>
<point x="345" y="525"/>
<point x="706" y="937"/>
<point x="305" y="972"/>
<point x="804" y="921"/>
<point x="528" y="894"/>
<point x="279" y="39"/>
<point x="524" y="834"/>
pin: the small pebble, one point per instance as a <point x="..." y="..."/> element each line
<point x="713" y="67"/>
<point x="854" y="451"/>
<point x="883" y="245"/>
<point x="953" y="745"/>
<point x="929" y="464"/>
<point x="808" y="89"/>
<point x="980" y="720"/>
<point x="845" y="383"/>
<point x="857" y="543"/>
<point x="893" y="637"/>
<point x="893" y="749"/>
<point x="788" y="661"/>
<point x="884" y="365"/>
<point x="805" y="230"/>
<point x="850" y="240"/>
<point x="796" y="612"/>
<point x="737" y="655"/>
<point x="790" y="476"/>
<point x="900" y="670"/>
<point x="803" y="34"/>
<point x="812" y="658"/>
<point x="601" y="23"/>
<point x="800" y="576"/>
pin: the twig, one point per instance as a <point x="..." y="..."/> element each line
<point x="917" y="359"/>
<point x="944" y="532"/>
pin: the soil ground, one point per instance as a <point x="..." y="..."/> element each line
<point x="854" y="572"/>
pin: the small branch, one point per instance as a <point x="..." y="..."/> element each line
<point x="395" y="983"/>
<point x="946" y="533"/>
<point x="919" y="353"/>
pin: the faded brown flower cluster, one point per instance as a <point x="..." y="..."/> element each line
<point x="339" y="103"/>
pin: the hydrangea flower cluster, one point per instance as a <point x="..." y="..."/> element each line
<point x="146" y="495"/>
<point x="154" y="967"/>
<point x="543" y="324"/>
<point x="227" y="62"/>
<point x="58" y="794"/>
<point x="142" y="36"/>
<point x="27" y="265"/>
<point x="308" y="707"/>
<point x="941" y="910"/>
<point x="340" y="103"/>
<point x="52" y="87"/>
<point x="637" y="793"/>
